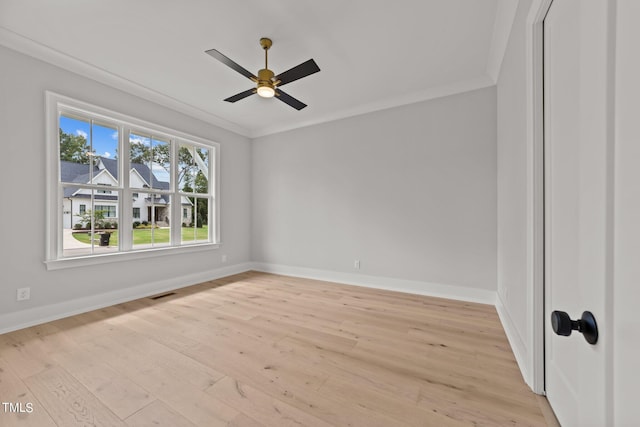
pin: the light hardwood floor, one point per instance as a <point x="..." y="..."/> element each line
<point x="260" y="349"/>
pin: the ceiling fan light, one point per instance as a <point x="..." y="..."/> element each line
<point x="266" y="91"/>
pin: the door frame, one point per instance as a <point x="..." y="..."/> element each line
<point x="535" y="195"/>
<point x="535" y="190"/>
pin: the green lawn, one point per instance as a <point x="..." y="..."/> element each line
<point x="143" y="236"/>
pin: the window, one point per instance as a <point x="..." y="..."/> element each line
<point x="104" y="191"/>
<point x="106" y="211"/>
<point x="167" y="173"/>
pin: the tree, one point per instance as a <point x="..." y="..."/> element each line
<point x="139" y="153"/>
<point x="160" y="155"/>
<point x="200" y="211"/>
<point x="98" y="219"/>
<point x="74" y="148"/>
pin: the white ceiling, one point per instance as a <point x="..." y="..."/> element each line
<point x="373" y="54"/>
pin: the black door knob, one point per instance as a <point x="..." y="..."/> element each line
<point x="586" y="325"/>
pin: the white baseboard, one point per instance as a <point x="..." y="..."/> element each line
<point x="515" y="340"/>
<point x="37" y="315"/>
<point x="399" y="285"/>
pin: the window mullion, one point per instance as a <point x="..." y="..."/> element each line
<point x="176" y="200"/>
<point x="126" y="206"/>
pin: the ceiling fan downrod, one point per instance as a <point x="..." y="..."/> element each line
<point x="266" y="86"/>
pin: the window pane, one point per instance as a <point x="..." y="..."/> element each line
<point x="201" y="180"/>
<point x="195" y="226"/>
<point x="153" y="227"/>
<point x="161" y="164"/>
<point x="193" y="169"/>
<point x="151" y="160"/>
<point x="76" y="239"/>
<point x="89" y="228"/>
<point x="186" y="168"/>
<point x="104" y="145"/>
<point x="140" y="158"/>
<point x="74" y="149"/>
<point x="74" y="141"/>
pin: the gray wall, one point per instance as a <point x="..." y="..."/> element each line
<point x="512" y="183"/>
<point x="22" y="116"/>
<point x="409" y="191"/>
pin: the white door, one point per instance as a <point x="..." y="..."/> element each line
<point x="577" y="236"/>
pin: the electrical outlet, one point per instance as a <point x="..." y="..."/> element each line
<point x="23" y="294"/>
<point x="356" y="264"/>
<point x="224" y="258"/>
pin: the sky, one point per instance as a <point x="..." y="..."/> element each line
<point x="105" y="139"/>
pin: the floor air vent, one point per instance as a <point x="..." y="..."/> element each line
<point x="168" y="294"/>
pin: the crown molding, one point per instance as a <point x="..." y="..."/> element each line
<point x="26" y="46"/>
<point x="411" y="98"/>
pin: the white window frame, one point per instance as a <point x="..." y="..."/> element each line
<point x="57" y="104"/>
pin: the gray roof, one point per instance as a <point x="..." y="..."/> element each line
<point x="71" y="172"/>
<point x="111" y="165"/>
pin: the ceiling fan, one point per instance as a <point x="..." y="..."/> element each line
<point x="268" y="85"/>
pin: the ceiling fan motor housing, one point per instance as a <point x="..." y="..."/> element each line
<point x="266" y="87"/>
<point x="265" y="77"/>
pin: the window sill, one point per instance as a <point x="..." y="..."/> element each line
<point x="83" y="261"/>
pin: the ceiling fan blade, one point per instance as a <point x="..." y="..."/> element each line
<point x="290" y="100"/>
<point x="241" y="95"/>
<point x="228" y="62"/>
<point x="299" y="71"/>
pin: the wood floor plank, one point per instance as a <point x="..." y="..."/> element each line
<point x="261" y="406"/>
<point x="121" y="395"/>
<point x="14" y="390"/>
<point x="68" y="402"/>
<point x="406" y="413"/>
<point x="343" y="365"/>
<point x="26" y="356"/>
<point x="183" y="397"/>
<point x="258" y="349"/>
<point x="157" y="414"/>
<point x="141" y="349"/>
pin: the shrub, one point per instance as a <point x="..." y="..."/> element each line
<point x="136" y="224"/>
<point x="145" y="223"/>
<point x="77" y="226"/>
<point x="114" y="225"/>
